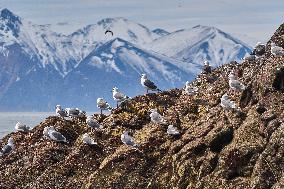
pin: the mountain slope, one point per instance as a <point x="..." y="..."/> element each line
<point x="199" y="44"/>
<point x="120" y="63"/>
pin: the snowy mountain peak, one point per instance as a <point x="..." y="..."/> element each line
<point x="201" y="43"/>
<point x="9" y="23"/>
<point x="6" y="14"/>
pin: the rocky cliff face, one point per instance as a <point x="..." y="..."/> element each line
<point x="217" y="148"/>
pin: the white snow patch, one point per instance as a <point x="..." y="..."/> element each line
<point x="116" y="44"/>
<point x="111" y="64"/>
<point x="107" y="55"/>
<point x="96" y="61"/>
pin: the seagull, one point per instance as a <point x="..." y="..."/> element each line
<point x="118" y="96"/>
<point x="250" y="57"/>
<point x="22" y="127"/>
<point x="172" y="130"/>
<point x="276" y="50"/>
<point x="8" y="147"/>
<point x="45" y="132"/>
<point x="156" y="117"/>
<point x="189" y="89"/>
<point x="128" y="140"/>
<point x="88" y="140"/>
<point x="227" y="103"/>
<point x="60" y="112"/>
<point x="75" y="112"/>
<point x="91" y="122"/>
<point x="258" y="50"/>
<point x="206" y="68"/>
<point x="54" y="135"/>
<point x="235" y="84"/>
<point x="103" y="105"/>
<point x="109" y="31"/>
<point x="149" y="85"/>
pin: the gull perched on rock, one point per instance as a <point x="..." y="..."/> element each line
<point x="22" y="127"/>
<point x="103" y="105"/>
<point x="227" y="103"/>
<point x="8" y="147"/>
<point x="91" y="122"/>
<point x="207" y="68"/>
<point x="189" y="89"/>
<point x="172" y="130"/>
<point x="149" y="85"/>
<point x="156" y="117"/>
<point x="235" y="84"/>
<point x="276" y="50"/>
<point x="258" y="50"/>
<point x="118" y="96"/>
<point x="88" y="140"/>
<point x="128" y="140"/>
<point x="250" y="57"/>
<point x="45" y="132"/>
<point x="60" y="112"/>
<point x="52" y="134"/>
<point x="74" y="112"/>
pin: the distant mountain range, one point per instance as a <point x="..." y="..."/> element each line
<point x="41" y="68"/>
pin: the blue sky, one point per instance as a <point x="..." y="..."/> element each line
<point x="248" y="19"/>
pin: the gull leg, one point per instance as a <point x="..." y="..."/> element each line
<point x="116" y="104"/>
<point x="101" y="111"/>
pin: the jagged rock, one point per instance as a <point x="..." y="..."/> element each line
<point x="278" y="82"/>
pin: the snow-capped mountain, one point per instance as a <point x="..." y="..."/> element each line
<point x="201" y="43"/>
<point x="119" y="63"/>
<point x="41" y="68"/>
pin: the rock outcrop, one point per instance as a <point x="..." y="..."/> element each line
<point x="217" y="148"/>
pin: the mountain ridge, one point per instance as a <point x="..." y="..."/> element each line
<point x="36" y="48"/>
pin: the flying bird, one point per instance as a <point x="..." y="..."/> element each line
<point x="21" y="127"/>
<point x="127" y="139"/>
<point x="8" y="147"/>
<point x="88" y="140"/>
<point x="235" y="84"/>
<point x="109" y="31"/>
<point x="118" y="96"/>
<point x="103" y="105"/>
<point x="156" y="117"/>
<point x="276" y="50"/>
<point x="148" y="84"/>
